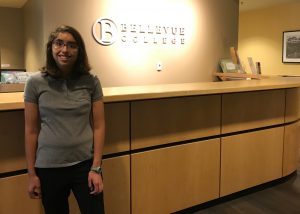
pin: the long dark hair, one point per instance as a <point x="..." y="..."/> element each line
<point x="81" y="65"/>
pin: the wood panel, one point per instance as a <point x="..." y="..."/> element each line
<point x="116" y="173"/>
<point x="292" y="112"/>
<point x="14" y="197"/>
<point x="74" y="209"/>
<point x="12" y="153"/>
<point x="156" y="122"/>
<point x="242" y="111"/>
<point x="250" y="159"/>
<point x="291" y="148"/>
<point x="174" y="178"/>
<point x="116" y="178"/>
<point x="117" y="128"/>
<point x="282" y="198"/>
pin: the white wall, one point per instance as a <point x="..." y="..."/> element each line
<point x="211" y="27"/>
<point x="34" y="44"/>
<point x="11" y="38"/>
<point x="260" y="37"/>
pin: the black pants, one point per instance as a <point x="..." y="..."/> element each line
<point x="56" y="184"/>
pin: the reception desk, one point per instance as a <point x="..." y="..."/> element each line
<point x="171" y="147"/>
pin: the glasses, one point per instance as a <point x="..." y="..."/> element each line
<point x="59" y="44"/>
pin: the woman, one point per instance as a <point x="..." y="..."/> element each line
<point x="65" y="127"/>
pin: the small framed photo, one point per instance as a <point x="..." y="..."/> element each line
<point x="291" y="46"/>
<point x="227" y="65"/>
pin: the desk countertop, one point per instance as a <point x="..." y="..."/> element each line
<point x="14" y="100"/>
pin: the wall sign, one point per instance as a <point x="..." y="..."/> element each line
<point x="107" y="32"/>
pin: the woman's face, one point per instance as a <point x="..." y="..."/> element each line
<point x="65" y="52"/>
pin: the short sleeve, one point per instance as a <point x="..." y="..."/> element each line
<point x="97" y="90"/>
<point x="30" y="91"/>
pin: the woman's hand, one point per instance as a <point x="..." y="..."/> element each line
<point x="95" y="183"/>
<point x="34" y="187"/>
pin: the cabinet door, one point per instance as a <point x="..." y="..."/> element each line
<point x="250" y="159"/>
<point x="291" y="148"/>
<point x="251" y="110"/>
<point x="14" y="197"/>
<point x="12" y="152"/>
<point x="292" y="109"/>
<point x="162" y="121"/>
<point x="117" y="127"/>
<point x="174" y="178"/>
<point x="116" y="178"/>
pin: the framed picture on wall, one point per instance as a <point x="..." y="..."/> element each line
<point x="291" y="46"/>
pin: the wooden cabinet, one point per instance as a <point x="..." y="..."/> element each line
<point x="116" y="178"/>
<point x="291" y="148"/>
<point x="14" y="197"/>
<point x="12" y="153"/>
<point x="174" y="178"/>
<point x="117" y="127"/>
<point x="12" y="158"/>
<point x="250" y="159"/>
<point x="292" y="112"/>
<point x="164" y="155"/>
<point x="156" y="122"/>
<point x="251" y="110"/>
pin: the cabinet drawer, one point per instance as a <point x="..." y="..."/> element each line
<point x="250" y="110"/>
<point x="250" y="159"/>
<point x="174" y="178"/>
<point x="156" y="122"/>
<point x="12" y="149"/>
<point x="117" y="128"/>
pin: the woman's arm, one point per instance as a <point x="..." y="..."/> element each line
<point x="95" y="180"/>
<point x="32" y="128"/>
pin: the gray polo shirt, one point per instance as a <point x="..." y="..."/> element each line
<point x="66" y="135"/>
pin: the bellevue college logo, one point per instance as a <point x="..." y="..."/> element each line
<point x="105" y="31"/>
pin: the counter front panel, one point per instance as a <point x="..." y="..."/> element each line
<point x="291" y="148"/>
<point x="170" y="179"/>
<point x="117" y="127"/>
<point x="12" y="153"/>
<point x="162" y="121"/>
<point x="250" y="110"/>
<point x="292" y="112"/>
<point x="250" y="159"/>
<point x="170" y="147"/>
<point x="14" y="196"/>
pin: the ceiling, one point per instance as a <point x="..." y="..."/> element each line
<point x="245" y="5"/>
<point x="12" y="3"/>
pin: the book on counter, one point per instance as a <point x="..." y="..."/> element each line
<point x="15" y="77"/>
<point x="228" y="65"/>
<point x="252" y="66"/>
